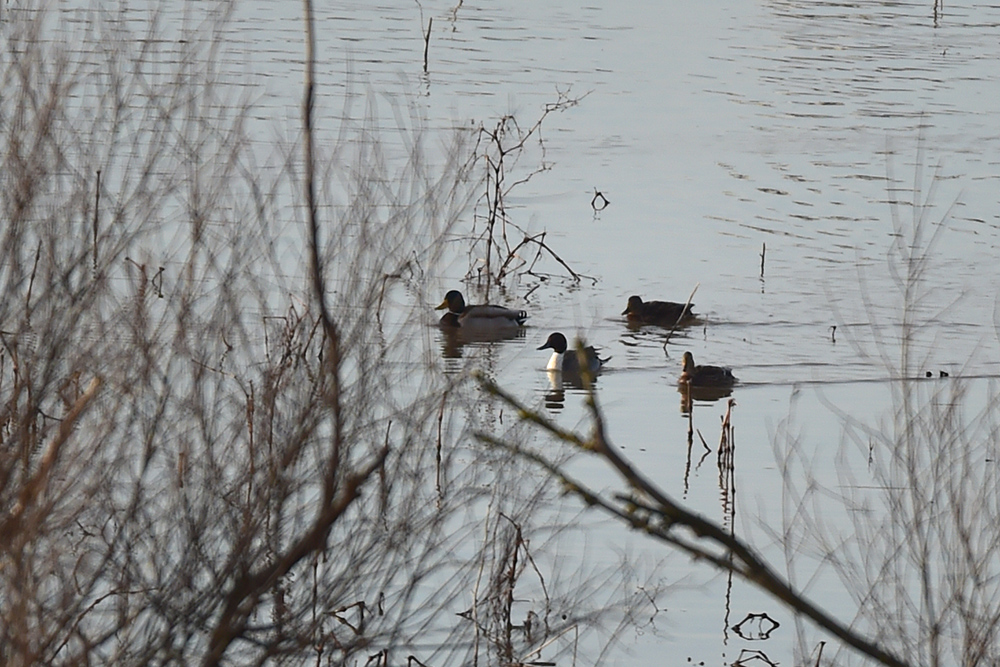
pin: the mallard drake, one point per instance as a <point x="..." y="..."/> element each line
<point x="704" y="376"/>
<point x="569" y="364"/>
<point x="664" y="313"/>
<point x="478" y="318"/>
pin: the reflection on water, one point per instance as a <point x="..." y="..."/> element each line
<point x="691" y="394"/>
<point x="782" y="139"/>
<point x="454" y="343"/>
<point x="756" y="627"/>
<point x="772" y="125"/>
<point x="555" y="396"/>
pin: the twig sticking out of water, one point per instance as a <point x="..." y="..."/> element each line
<point x="97" y="207"/>
<point x="599" y="202"/>
<point x="539" y="240"/>
<point x="498" y="149"/>
<point x="819" y="655"/>
<point x="427" y="41"/>
<point x="454" y="12"/>
<point x="727" y="467"/>
<point x="687" y="307"/>
<point x="726" y="437"/>
<point x="833" y="333"/>
<point x="763" y="251"/>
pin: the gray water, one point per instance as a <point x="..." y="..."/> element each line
<point x="717" y="132"/>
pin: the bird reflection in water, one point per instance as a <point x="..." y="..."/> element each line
<point x="455" y="337"/>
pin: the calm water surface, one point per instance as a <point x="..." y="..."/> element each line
<point x="713" y="131"/>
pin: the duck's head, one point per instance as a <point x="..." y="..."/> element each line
<point x="634" y="304"/>
<point x="556" y="342"/>
<point x="688" y="361"/>
<point x="453" y="301"/>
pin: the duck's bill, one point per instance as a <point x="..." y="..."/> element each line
<point x="444" y="304"/>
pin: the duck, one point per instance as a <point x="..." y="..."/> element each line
<point x="664" y="313"/>
<point x="704" y="376"/>
<point x="478" y="318"/>
<point x="569" y="364"/>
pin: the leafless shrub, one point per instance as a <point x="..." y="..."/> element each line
<point x="509" y="248"/>
<point x="209" y="453"/>
<point x="918" y="548"/>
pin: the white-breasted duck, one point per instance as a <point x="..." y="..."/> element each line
<point x="569" y="362"/>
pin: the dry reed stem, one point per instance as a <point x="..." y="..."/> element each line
<point x="684" y="311"/>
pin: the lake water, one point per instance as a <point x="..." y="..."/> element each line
<point x="714" y="130"/>
<point x="717" y="131"/>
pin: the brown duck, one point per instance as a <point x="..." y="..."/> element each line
<point x="663" y="313"/>
<point x="704" y="376"/>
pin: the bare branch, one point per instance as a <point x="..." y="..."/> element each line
<point x="659" y="519"/>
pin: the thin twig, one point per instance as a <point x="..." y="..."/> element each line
<point x="684" y="311"/>
<point x="31" y="283"/>
<point x="34" y="486"/>
<point x="97" y="208"/>
<point x="538" y="239"/>
<point x="819" y="655"/>
<point x="427" y="41"/>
